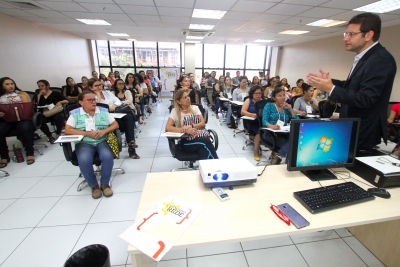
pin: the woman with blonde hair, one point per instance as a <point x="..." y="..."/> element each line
<point x="185" y="118"/>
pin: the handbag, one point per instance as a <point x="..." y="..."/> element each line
<point x="122" y="109"/>
<point x="17" y="111"/>
<point x="50" y="112"/>
<point x="112" y="142"/>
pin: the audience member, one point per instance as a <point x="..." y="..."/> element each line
<point x="249" y="110"/>
<point x="52" y="99"/>
<point x="124" y="95"/>
<point x="238" y="95"/>
<point x="194" y="85"/>
<point x="275" y="115"/>
<point x="235" y="80"/>
<point x="255" y="81"/>
<point x="299" y="89"/>
<point x="117" y="75"/>
<point x="84" y="86"/>
<point x="10" y="94"/>
<point x="210" y="85"/>
<point x="94" y="141"/>
<point x="394" y="112"/>
<point x="111" y="78"/>
<point x="185" y="118"/>
<point x="106" y="84"/>
<point x="71" y="90"/>
<point x="218" y="92"/>
<point x="306" y="104"/>
<point x="268" y="91"/>
<point x="95" y="75"/>
<point x="126" y="123"/>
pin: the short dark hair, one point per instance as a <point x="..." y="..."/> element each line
<point x="241" y="78"/>
<point x="81" y="96"/>
<point x="277" y="90"/>
<point x="140" y="71"/>
<point x="141" y="80"/>
<point x="306" y="87"/>
<point x="299" y="80"/>
<point x="253" y="89"/>
<point x="368" y="22"/>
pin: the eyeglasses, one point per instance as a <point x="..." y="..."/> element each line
<point x="91" y="100"/>
<point x="256" y="93"/>
<point x="280" y="214"/>
<point x="350" y="34"/>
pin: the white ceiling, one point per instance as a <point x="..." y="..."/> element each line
<point x="163" y="20"/>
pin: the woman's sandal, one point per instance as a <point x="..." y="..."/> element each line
<point x="134" y="156"/>
<point x="141" y="120"/>
<point x="30" y="161"/>
<point x="4" y="164"/>
<point x="132" y="151"/>
<point x="229" y="125"/>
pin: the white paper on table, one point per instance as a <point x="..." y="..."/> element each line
<point x="384" y="165"/>
<point x="284" y="129"/>
<point x="229" y="95"/>
<point x="45" y="106"/>
<point x="172" y="134"/>
<point x="248" y="118"/>
<point x="239" y="103"/>
<point x="50" y="106"/>
<point x="68" y="138"/>
<point x="157" y="231"/>
<point x="312" y="116"/>
<point x="117" y="115"/>
<point x="223" y="99"/>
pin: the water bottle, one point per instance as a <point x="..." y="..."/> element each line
<point x="18" y="153"/>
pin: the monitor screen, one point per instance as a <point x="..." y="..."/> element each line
<point x="318" y="145"/>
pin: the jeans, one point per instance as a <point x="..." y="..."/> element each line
<point x="127" y="125"/>
<point x="202" y="146"/>
<point x="58" y="119"/>
<point x="25" y="131"/>
<point x="85" y="154"/>
<point x="282" y="141"/>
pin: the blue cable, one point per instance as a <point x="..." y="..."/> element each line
<point x="199" y="143"/>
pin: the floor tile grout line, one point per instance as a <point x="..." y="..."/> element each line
<point x="299" y="250"/>
<point x="244" y="254"/>
<point x="357" y="253"/>
<point x="17" y="246"/>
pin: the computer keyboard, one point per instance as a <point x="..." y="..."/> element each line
<point x="332" y="197"/>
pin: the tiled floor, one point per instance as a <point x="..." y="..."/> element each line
<point x="43" y="219"/>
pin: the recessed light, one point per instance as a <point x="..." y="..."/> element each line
<point x="380" y="6"/>
<point x="208" y="14"/>
<point x="117" y="34"/>
<point x="194" y="37"/>
<point x="326" y="22"/>
<point x="200" y="27"/>
<point x="94" y="21"/>
<point x="293" y="32"/>
<point x="192" y="42"/>
<point x="263" y="41"/>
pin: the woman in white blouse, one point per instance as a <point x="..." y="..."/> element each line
<point x="126" y="123"/>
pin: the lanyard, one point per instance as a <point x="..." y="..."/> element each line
<point x="279" y="118"/>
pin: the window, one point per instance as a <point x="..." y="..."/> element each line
<point x="102" y="52"/>
<point x="105" y="71"/>
<point x="234" y="56"/>
<point x="121" y="53"/>
<point x="146" y="54"/>
<point x="213" y="56"/>
<point x="255" y="57"/>
<point x="198" y="76"/>
<point x="169" y="54"/>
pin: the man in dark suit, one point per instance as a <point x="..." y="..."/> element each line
<point x="366" y="92"/>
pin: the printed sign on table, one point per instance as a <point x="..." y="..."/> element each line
<point x="168" y="78"/>
<point x="157" y="231"/>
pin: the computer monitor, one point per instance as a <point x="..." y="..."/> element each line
<point x="317" y="145"/>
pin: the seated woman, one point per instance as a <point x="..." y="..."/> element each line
<point x="126" y="123"/>
<point x="184" y="83"/>
<point x="394" y="113"/>
<point x="218" y="92"/>
<point x="306" y="104"/>
<point x="272" y="83"/>
<point x="249" y="110"/>
<point x="134" y="88"/>
<point x="238" y="95"/>
<point x="274" y="116"/>
<point x="106" y="84"/>
<point x="71" y="90"/>
<point x="111" y="78"/>
<point x="299" y="89"/>
<point x="9" y="94"/>
<point x="84" y="86"/>
<point x="185" y="118"/>
<point x="125" y="96"/>
<point x="139" y="94"/>
<point x="48" y="97"/>
<point x="94" y="140"/>
<point x="255" y="81"/>
<point x="226" y="92"/>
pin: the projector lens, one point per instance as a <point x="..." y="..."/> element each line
<point x="220" y="176"/>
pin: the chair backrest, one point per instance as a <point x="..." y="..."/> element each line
<point x="294" y="99"/>
<point x="57" y="89"/>
<point x="321" y="110"/>
<point x="260" y="108"/>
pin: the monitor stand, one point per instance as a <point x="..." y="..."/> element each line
<point x="319" y="175"/>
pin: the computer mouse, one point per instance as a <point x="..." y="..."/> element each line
<point x="379" y="192"/>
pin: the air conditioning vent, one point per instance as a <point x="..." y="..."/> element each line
<point x="197" y="33"/>
<point x="23" y="5"/>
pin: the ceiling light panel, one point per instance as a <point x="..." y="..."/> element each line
<point x="194" y="37"/>
<point x="118" y="34"/>
<point x="326" y="23"/>
<point x="383" y="6"/>
<point x="94" y="21"/>
<point x="192" y="42"/>
<point x="263" y="41"/>
<point x="294" y="32"/>
<point x="208" y="14"/>
<point x="200" y="27"/>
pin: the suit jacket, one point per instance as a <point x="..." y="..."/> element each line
<point x="365" y="94"/>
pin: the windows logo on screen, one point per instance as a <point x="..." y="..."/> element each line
<point x="325" y="143"/>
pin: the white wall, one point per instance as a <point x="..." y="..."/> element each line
<point x="30" y="52"/>
<point x="296" y="61"/>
